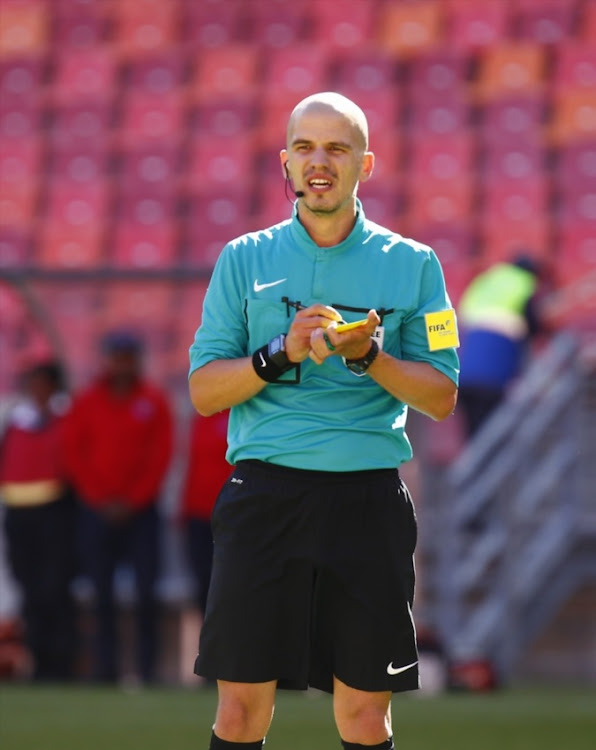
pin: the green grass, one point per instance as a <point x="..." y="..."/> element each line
<point x="85" y="718"/>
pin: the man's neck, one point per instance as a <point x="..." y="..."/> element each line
<point x="328" y="230"/>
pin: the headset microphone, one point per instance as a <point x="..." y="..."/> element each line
<point x="297" y="193"/>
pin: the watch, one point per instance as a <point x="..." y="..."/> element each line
<point x="276" y="351"/>
<point x="360" y="366"/>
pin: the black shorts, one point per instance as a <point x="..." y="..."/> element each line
<point x="313" y="576"/>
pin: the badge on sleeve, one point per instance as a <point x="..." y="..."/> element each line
<point x="441" y="330"/>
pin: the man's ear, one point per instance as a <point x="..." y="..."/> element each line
<point x="368" y="165"/>
<point x="283" y="156"/>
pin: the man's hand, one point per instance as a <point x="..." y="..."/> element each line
<point x="305" y="323"/>
<point x="353" y="344"/>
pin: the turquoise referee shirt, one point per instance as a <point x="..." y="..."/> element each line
<point x="331" y="420"/>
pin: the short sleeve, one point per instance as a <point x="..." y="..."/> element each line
<point x="432" y="297"/>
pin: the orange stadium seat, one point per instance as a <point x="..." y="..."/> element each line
<point x="472" y="26"/>
<point x="574" y="116"/>
<point x="70" y="246"/>
<point x="294" y="72"/>
<point x="513" y="120"/>
<point x="23" y="28"/>
<point x="208" y="25"/>
<point x="145" y="245"/>
<point x="144" y="26"/>
<point x="226" y="71"/>
<point x="19" y="202"/>
<point x="410" y="28"/>
<point x="15" y="248"/>
<point x="84" y="73"/>
<point x="546" y="21"/>
<point x="343" y="24"/>
<point x="511" y="68"/>
<point x="158" y="118"/>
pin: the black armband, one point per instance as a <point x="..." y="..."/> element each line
<point x="271" y="361"/>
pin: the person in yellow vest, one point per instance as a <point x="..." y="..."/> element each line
<point x="498" y="316"/>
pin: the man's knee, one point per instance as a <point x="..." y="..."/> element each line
<point x="244" y="711"/>
<point x="362" y="717"/>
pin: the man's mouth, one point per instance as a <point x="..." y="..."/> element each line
<point x="319" y="184"/>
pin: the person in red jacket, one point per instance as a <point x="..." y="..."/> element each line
<point x="119" y="443"/>
<point x="39" y="518"/>
<point x="207" y="471"/>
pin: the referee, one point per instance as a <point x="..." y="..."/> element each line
<point x="313" y="577"/>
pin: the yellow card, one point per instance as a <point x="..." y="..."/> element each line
<point x="441" y="330"/>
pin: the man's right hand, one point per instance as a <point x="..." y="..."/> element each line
<point x="305" y="322"/>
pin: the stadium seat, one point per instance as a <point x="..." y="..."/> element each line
<point x="228" y="117"/>
<point x="435" y="202"/>
<point x="144" y="26"/>
<point x="157" y="73"/>
<point x="221" y="162"/>
<point x="473" y="26"/>
<point x="158" y="118"/>
<point x="84" y="74"/>
<point x="80" y="165"/>
<point x="501" y="241"/>
<point x="75" y="204"/>
<point x="575" y="66"/>
<point x="405" y="29"/>
<point x="574" y="116"/>
<point x="276" y="25"/>
<point x="150" y="170"/>
<point x="546" y="21"/>
<point x="576" y="253"/>
<point x="343" y="24"/>
<point x="509" y="69"/>
<point x="383" y="202"/>
<point x="143" y="209"/>
<point x="514" y="161"/>
<point x="442" y="159"/>
<point x="439" y="118"/>
<point x="23" y="28"/>
<point x="440" y="76"/>
<point x="388" y="149"/>
<point x="209" y="25"/>
<point x="20" y="159"/>
<point x="20" y="78"/>
<point x="295" y="72"/>
<point x="70" y="246"/>
<point x="513" y="120"/>
<point x="15" y="248"/>
<point x="226" y="71"/>
<point x="145" y="245"/>
<point x="85" y="125"/>
<point x="587" y="22"/>
<point x="19" y="203"/>
<point x="20" y="118"/>
<point x="516" y="201"/>
<point x="79" y="23"/>
<point x="575" y="168"/>
<point x="578" y="207"/>
<point x="273" y="205"/>
<point x="365" y="71"/>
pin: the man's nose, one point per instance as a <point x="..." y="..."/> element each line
<point x="319" y="157"/>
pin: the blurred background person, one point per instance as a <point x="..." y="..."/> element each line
<point x="39" y="518"/>
<point x="119" y="440"/>
<point x="207" y="471"/>
<point x="498" y="316"/>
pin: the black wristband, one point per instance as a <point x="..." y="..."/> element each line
<point x="360" y="366"/>
<point x="270" y="361"/>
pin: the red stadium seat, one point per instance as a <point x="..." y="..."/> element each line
<point x="277" y="25"/>
<point x="226" y="71"/>
<point x="513" y="120"/>
<point x="221" y="163"/>
<point x="157" y="73"/>
<point x="80" y="165"/>
<point x="23" y="28"/>
<point x="145" y="245"/>
<point x="295" y="72"/>
<point x="153" y="118"/>
<point x="576" y="167"/>
<point x="70" y="246"/>
<point x="15" y="248"/>
<point x="578" y="207"/>
<point x="19" y="203"/>
<point x="440" y="118"/>
<point x="226" y="117"/>
<point x="444" y="201"/>
<point x="79" y="23"/>
<point x="273" y="205"/>
<point x="440" y="76"/>
<point x="82" y="125"/>
<point x="341" y="23"/>
<point x="575" y="66"/>
<point x="20" y="78"/>
<point x="20" y="159"/>
<point x="587" y="22"/>
<point x="383" y="202"/>
<point x="574" y="116"/>
<point x="151" y="170"/>
<point x="473" y="26"/>
<point x="501" y="241"/>
<point x="406" y="29"/>
<point x="442" y="159"/>
<point x="546" y="21"/>
<point x="144" y="26"/>
<point x="576" y="253"/>
<point x="511" y="69"/>
<point x="516" y="201"/>
<point x="365" y="71"/>
<point x="514" y="161"/>
<point x="83" y="74"/>
<point x="75" y="204"/>
<point x="147" y="210"/>
<point x="389" y="151"/>
<point x="208" y="25"/>
<point x="19" y="118"/>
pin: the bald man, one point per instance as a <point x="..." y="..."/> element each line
<point x="313" y="577"/>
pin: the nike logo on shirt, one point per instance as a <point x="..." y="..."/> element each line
<point x="259" y="287"/>
<point x="392" y="670"/>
